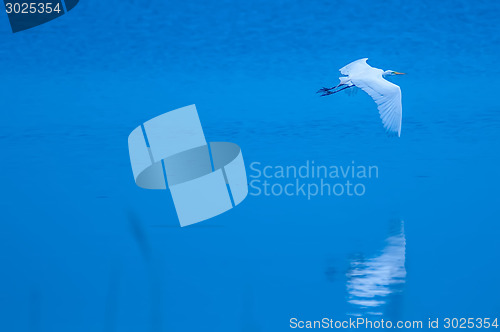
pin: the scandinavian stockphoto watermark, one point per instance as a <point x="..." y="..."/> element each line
<point x="310" y="179"/>
<point x="31" y="13"/>
<point x="205" y="179"/>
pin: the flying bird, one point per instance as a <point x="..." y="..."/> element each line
<point x="371" y="80"/>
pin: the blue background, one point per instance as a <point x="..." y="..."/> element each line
<point x="83" y="249"/>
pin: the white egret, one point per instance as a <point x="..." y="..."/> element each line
<point x="371" y="80"/>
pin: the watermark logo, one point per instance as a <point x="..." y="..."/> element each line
<point x="310" y="180"/>
<point x="26" y="14"/>
<point x="205" y="179"/>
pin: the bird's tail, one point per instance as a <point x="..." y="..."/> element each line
<point x="351" y="92"/>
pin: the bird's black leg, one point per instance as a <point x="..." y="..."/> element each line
<point x="330" y="92"/>
<point x="324" y="90"/>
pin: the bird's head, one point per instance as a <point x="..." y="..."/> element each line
<point x="392" y="73"/>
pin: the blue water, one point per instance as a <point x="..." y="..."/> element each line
<point x="82" y="248"/>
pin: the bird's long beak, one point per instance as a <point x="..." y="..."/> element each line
<point x="398" y="73"/>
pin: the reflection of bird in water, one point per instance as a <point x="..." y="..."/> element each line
<point x="371" y="80"/>
<point x="371" y="281"/>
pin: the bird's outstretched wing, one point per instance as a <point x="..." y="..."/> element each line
<point x="355" y="66"/>
<point x="387" y="95"/>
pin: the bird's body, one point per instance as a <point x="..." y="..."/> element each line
<point x="387" y="95"/>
